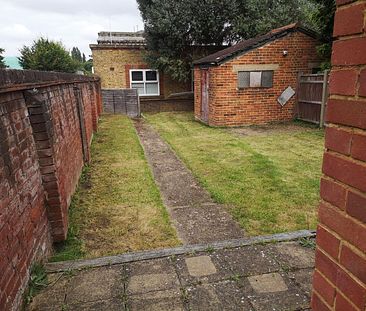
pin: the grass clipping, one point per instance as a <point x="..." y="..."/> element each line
<point x="117" y="207"/>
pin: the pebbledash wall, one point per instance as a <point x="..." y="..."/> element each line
<point x="340" y="275"/>
<point x="230" y="106"/>
<point x="47" y="122"/>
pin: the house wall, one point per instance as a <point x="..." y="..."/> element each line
<point x="229" y="106"/>
<point x="124" y="59"/>
<point x="340" y="275"/>
<point x="41" y="157"/>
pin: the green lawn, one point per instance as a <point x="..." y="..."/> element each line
<point x="270" y="180"/>
<point x="117" y="207"/>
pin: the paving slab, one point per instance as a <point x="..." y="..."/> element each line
<point x="268" y="283"/>
<point x="255" y="260"/>
<point x="203" y="224"/>
<point x="200" y="266"/>
<point x="168" y="300"/>
<point x="303" y="278"/>
<point x="110" y="305"/>
<point x="292" y="256"/>
<point x="96" y="285"/>
<point x="219" y="296"/>
<point x="254" y="277"/>
<point x="187" y="269"/>
<point x="150" y="276"/>
<point x="193" y="212"/>
<point x="264" y="298"/>
<point x="52" y="297"/>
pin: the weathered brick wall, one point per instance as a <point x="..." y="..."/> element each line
<point x="340" y="275"/>
<point x="230" y="106"/>
<point x="41" y="157"/>
<point x="24" y="228"/>
<point x="112" y="65"/>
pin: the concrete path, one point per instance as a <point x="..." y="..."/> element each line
<point x="197" y="218"/>
<point x="266" y="277"/>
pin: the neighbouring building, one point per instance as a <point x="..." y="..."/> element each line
<point x="241" y="85"/>
<point x="118" y="60"/>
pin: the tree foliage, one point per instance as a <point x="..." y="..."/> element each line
<point x="2" y="61"/>
<point x="82" y="64"/>
<point x="323" y="19"/>
<point x="173" y="28"/>
<point x="76" y="54"/>
<point x="47" y="55"/>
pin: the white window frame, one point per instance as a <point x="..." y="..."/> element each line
<point x="144" y="81"/>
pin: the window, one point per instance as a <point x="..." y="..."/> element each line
<point x="247" y="79"/>
<point x="146" y="81"/>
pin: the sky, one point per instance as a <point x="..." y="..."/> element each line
<point x="74" y="22"/>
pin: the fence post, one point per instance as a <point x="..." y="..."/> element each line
<point x="298" y="83"/>
<point x="324" y="98"/>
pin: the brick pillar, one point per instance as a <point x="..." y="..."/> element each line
<point x="340" y="274"/>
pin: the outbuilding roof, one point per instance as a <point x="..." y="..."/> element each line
<point x="251" y="44"/>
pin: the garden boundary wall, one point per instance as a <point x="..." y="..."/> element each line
<point x="47" y="122"/>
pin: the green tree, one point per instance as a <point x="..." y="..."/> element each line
<point x="173" y="28"/>
<point x="76" y="54"/>
<point x="323" y="19"/>
<point x="88" y="65"/>
<point x="260" y="16"/>
<point x="48" y="55"/>
<point x="2" y="61"/>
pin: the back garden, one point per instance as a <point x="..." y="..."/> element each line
<point x="266" y="176"/>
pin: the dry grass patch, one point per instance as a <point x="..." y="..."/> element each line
<point x="117" y="207"/>
<point x="269" y="175"/>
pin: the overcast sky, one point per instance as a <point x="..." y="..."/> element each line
<point x="74" y="22"/>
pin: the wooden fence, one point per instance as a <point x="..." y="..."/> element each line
<point x="312" y="97"/>
<point x="121" y="101"/>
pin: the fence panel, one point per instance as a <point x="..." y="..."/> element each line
<point x="311" y="97"/>
<point x="122" y="101"/>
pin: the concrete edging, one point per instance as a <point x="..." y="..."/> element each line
<point x="160" y="253"/>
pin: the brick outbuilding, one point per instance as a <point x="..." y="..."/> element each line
<point x="119" y="61"/>
<point x="241" y="85"/>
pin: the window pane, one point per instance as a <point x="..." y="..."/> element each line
<point x="243" y="79"/>
<point x="152" y="88"/>
<point x="139" y="87"/>
<point x="267" y="78"/>
<point x="255" y="79"/>
<point x="137" y="76"/>
<point x="151" y="76"/>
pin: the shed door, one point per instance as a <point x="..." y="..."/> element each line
<point x="204" y="95"/>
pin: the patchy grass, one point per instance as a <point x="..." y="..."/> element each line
<point x="117" y="207"/>
<point x="269" y="177"/>
<point x="37" y="281"/>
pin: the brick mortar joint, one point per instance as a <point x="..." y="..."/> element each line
<point x="321" y="298"/>
<point x="344" y="213"/>
<point x="347" y="128"/>
<point x="339" y="265"/>
<point x="348" y="5"/>
<point x="346" y="158"/>
<point x="346" y="187"/>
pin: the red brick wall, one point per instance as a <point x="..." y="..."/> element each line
<point x="340" y="276"/>
<point x="24" y="228"/>
<point x="41" y="158"/>
<point x="229" y="106"/>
